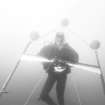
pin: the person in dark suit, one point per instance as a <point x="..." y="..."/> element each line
<point x="60" y="52"/>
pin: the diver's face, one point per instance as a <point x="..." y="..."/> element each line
<point x="59" y="41"/>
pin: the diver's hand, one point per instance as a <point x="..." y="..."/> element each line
<point x="46" y="66"/>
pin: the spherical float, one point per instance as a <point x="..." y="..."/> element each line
<point x="65" y="22"/>
<point x="34" y="36"/>
<point x="95" y="44"/>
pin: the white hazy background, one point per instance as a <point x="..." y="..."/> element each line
<point x="19" y="18"/>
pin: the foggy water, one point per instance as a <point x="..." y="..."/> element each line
<point x="19" y="18"/>
<point x="83" y="84"/>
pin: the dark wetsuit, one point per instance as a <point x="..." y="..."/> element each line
<point x="65" y="54"/>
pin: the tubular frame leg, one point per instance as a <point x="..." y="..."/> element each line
<point x="102" y="74"/>
<point x="33" y="91"/>
<point x="77" y="93"/>
<point x="8" y="79"/>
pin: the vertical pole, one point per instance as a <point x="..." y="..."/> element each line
<point x="35" y="87"/>
<point x="101" y="75"/>
<point x="77" y="93"/>
<point x="5" y="84"/>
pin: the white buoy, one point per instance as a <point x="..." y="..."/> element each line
<point x="34" y="36"/>
<point x="95" y="44"/>
<point x="65" y="22"/>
